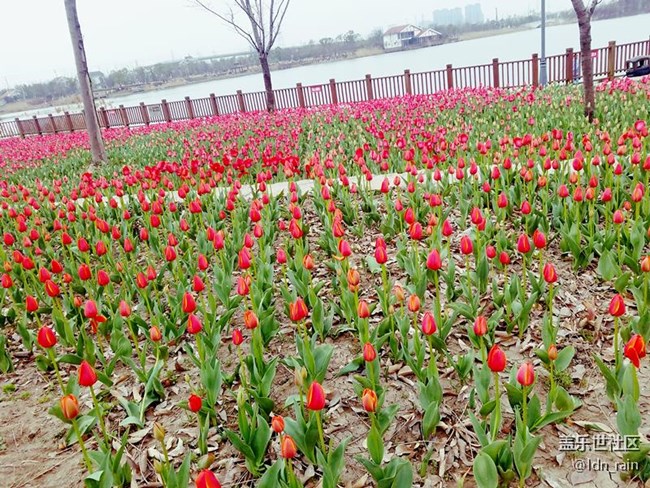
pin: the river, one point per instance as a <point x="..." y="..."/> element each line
<point x="506" y="47"/>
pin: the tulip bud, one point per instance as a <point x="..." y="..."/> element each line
<point x="428" y="323"/>
<point x="362" y="310"/>
<point x="158" y="432"/>
<point x="496" y="359"/>
<point x="635" y="350"/>
<point x="69" y="406"/>
<point x="87" y="375"/>
<point x="250" y="320"/>
<point x="369" y="400"/>
<point x="237" y="337"/>
<point x="288" y="448"/>
<point x="298" y="310"/>
<point x="207" y="479"/>
<point x="194" y="325"/>
<point x="523" y="244"/>
<point x="46" y="337"/>
<point x="31" y="304"/>
<point x="299" y="377"/>
<point x="552" y="352"/>
<point x="353" y="279"/>
<point x="315" y="397"/>
<point x="526" y="374"/>
<point x="277" y="424"/>
<point x="466" y="246"/>
<point x="434" y="262"/>
<point x="480" y="326"/>
<point x="645" y="264"/>
<point x="154" y="334"/>
<point x="189" y="305"/>
<point x="369" y="353"/>
<point x="550" y="276"/>
<point x="617" y="306"/>
<point x="414" y="303"/>
<point x="195" y="403"/>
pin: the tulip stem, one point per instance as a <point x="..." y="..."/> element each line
<point x="50" y="353"/>
<point x="524" y="402"/>
<point x="551" y="391"/>
<point x="497" y="407"/>
<point x="100" y="414"/>
<point x="616" y="352"/>
<point x="291" y="477"/>
<point x="89" y="464"/>
<point x="321" y="435"/>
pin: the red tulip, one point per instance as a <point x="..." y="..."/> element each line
<point x="369" y="353"/>
<point x="363" y="311"/>
<point x="526" y="374"/>
<point x="125" y="309"/>
<point x="87" y="375"/>
<point x="550" y="276"/>
<point x="298" y="310"/>
<point x="645" y="264"/>
<point x="434" y="262"/>
<point x="102" y="278"/>
<point x="31" y="304"/>
<point x="84" y="272"/>
<point x="237" y="337"/>
<point x="523" y="244"/>
<point x="170" y="254"/>
<point x="466" y="246"/>
<point x="617" y="306"/>
<point x="197" y="284"/>
<point x="496" y="359"/>
<point x="635" y="349"/>
<point x="618" y="217"/>
<point x="281" y="256"/>
<point x="46" y="337"/>
<point x="90" y="309"/>
<point x="52" y="289"/>
<point x="480" y="326"/>
<point x="189" y="305"/>
<point x="308" y="262"/>
<point x="195" y="403"/>
<point x="539" y="239"/>
<point x="414" y="303"/>
<point x="428" y="323"/>
<point x="7" y="282"/>
<point x="315" y="397"/>
<point x="194" y="325"/>
<point x="244" y="259"/>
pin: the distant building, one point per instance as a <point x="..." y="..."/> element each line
<point x="474" y="14"/>
<point x="448" y="16"/>
<point x="9" y="96"/>
<point x="409" y="35"/>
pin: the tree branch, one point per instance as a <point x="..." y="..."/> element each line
<point x="230" y="22"/>
<point x="278" y="18"/>
<point x="592" y="7"/>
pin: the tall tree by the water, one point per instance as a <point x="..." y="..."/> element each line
<point x="265" y="18"/>
<point x="97" y="150"/>
<point x="584" y="15"/>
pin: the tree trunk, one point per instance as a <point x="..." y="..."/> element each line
<point x="584" y="25"/>
<point x="97" y="150"/>
<point x="268" y="86"/>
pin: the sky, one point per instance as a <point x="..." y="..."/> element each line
<point x="35" y="43"/>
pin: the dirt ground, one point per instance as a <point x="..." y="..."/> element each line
<point x="32" y="452"/>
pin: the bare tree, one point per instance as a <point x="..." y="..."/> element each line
<point x="97" y="150"/>
<point x="265" y="18"/>
<point x="584" y="15"/>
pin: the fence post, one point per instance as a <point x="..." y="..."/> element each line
<point x="333" y="94"/>
<point x="408" y="88"/>
<point x="240" y="101"/>
<point x="124" y="116"/>
<point x="496" y="82"/>
<point x="301" y="95"/>
<point x="213" y="103"/>
<point x="369" y="94"/>
<point x="68" y="121"/>
<point x="190" y="108"/>
<point x="611" y="60"/>
<point x="37" y="124"/>
<point x="51" y="117"/>
<point x="165" y="109"/>
<point x="450" y="77"/>
<point x="144" y="113"/>
<point x="569" y="65"/>
<point x="535" y="70"/>
<point x="103" y="118"/>
<point x="21" y="129"/>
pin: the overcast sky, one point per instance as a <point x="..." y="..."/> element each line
<point x="35" y="43"/>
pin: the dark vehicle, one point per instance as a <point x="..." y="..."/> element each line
<point x="638" y="66"/>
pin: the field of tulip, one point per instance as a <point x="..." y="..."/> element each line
<point x="424" y="291"/>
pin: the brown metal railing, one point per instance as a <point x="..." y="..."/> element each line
<point x="562" y="68"/>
